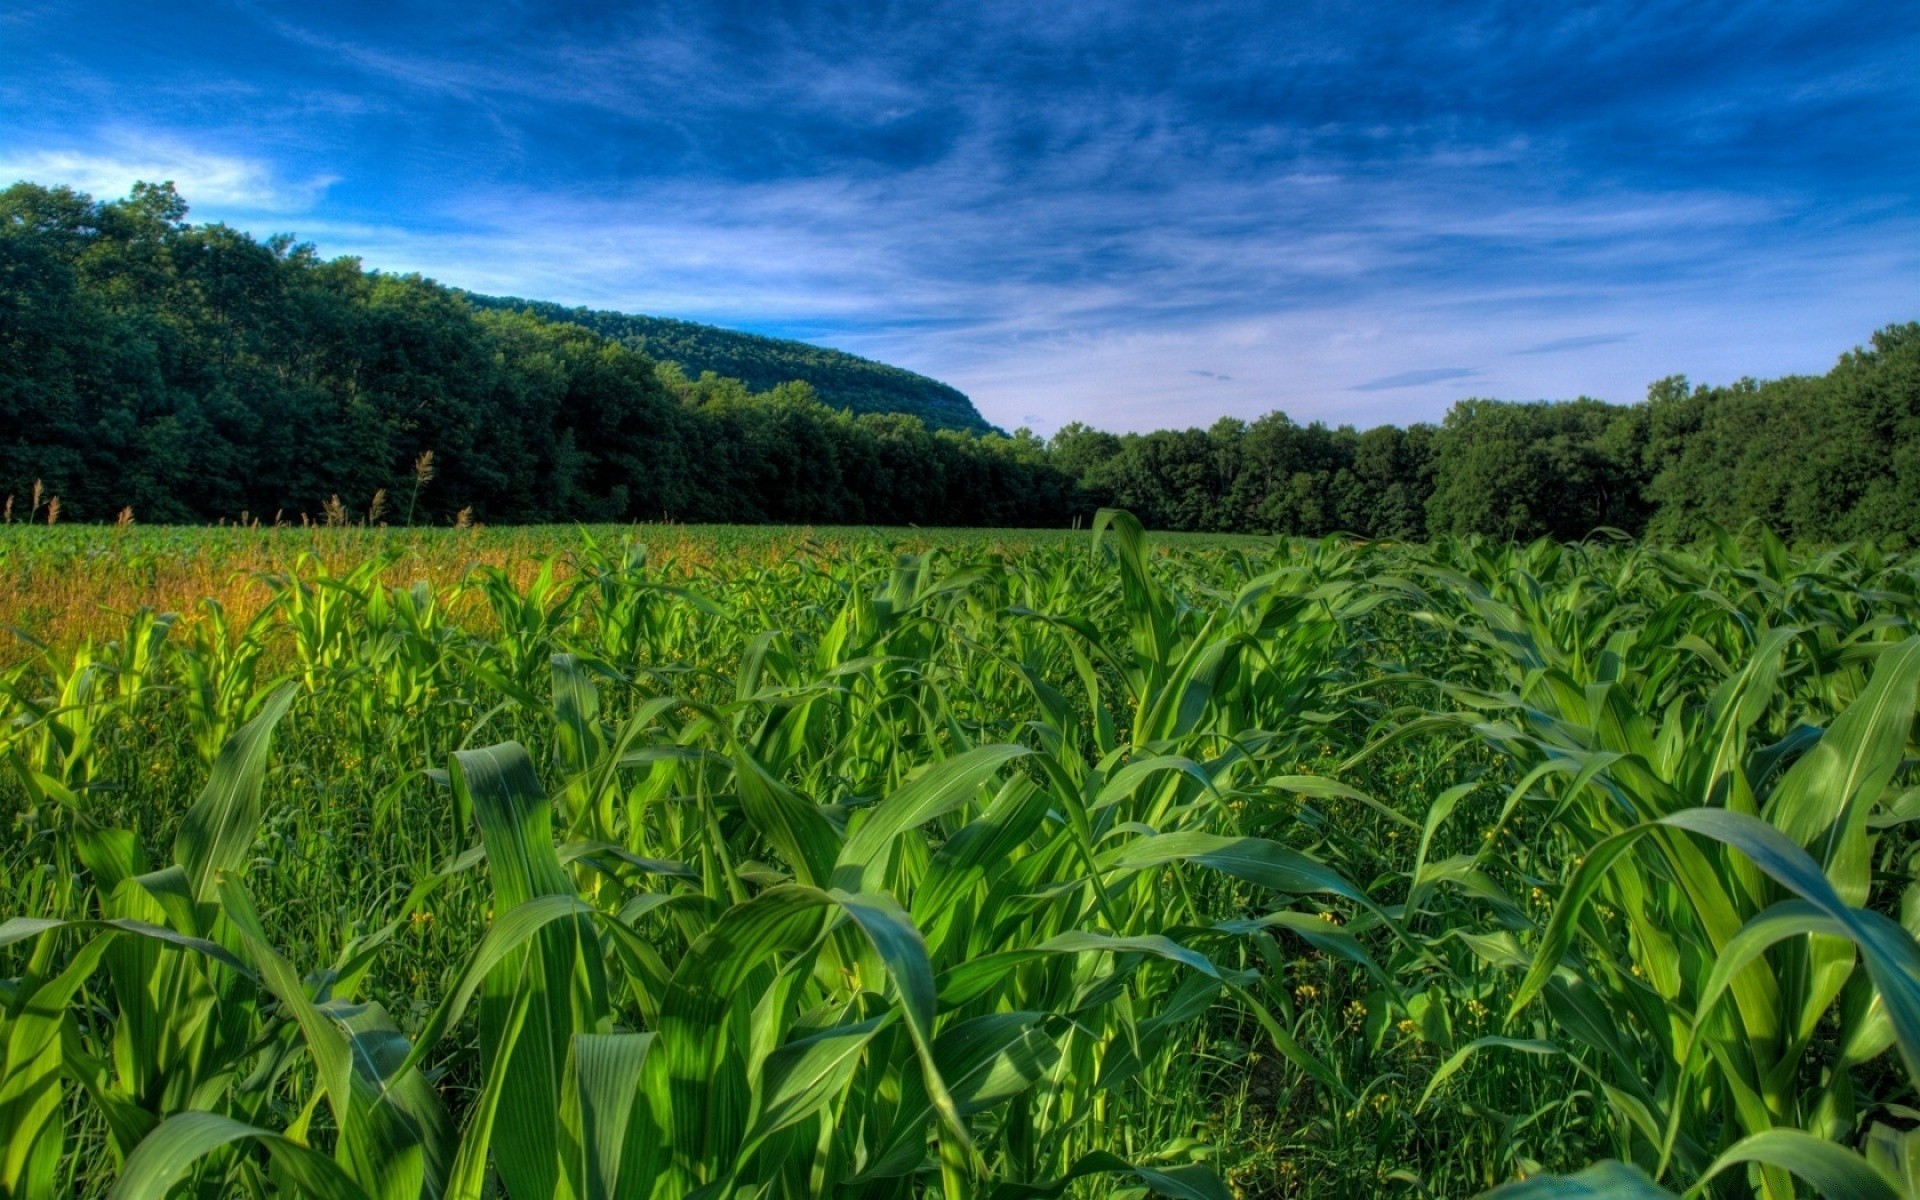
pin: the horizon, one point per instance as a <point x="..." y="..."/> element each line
<point x="1135" y="220"/>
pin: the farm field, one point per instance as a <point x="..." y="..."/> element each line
<point x="674" y="861"/>
<point x="65" y="584"/>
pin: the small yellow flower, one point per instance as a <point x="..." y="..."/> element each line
<point x="1356" y="1014"/>
<point x="1306" y="993"/>
<point x="1407" y="1028"/>
<point x="423" y="918"/>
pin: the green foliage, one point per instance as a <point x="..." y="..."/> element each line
<point x="839" y="379"/>
<point x="1524" y="471"/>
<point x="1091" y="867"/>
<point x="1268" y="476"/>
<point x="195" y="374"/>
<point x="1818" y="459"/>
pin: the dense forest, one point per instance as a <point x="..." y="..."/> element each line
<point x="190" y="373"/>
<point x="194" y="373"/>
<point x="838" y="379"/>
<point x="1817" y="459"/>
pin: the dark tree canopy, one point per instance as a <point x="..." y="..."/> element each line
<point x="839" y="379"/>
<point x="196" y="373"/>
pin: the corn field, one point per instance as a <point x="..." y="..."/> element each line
<point x="879" y="866"/>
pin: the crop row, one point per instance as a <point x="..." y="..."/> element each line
<point x="1067" y="868"/>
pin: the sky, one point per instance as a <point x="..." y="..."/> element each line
<point x="1137" y="215"/>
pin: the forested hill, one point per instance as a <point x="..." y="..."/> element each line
<point x="839" y="379"/>
<point x="184" y="373"/>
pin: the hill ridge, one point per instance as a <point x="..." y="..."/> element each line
<point x="839" y="378"/>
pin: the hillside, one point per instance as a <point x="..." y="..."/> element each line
<point x="840" y="379"/>
<point x="192" y="373"/>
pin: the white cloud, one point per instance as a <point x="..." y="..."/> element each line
<point x="1052" y="297"/>
<point x="209" y="180"/>
<point x="1106" y="328"/>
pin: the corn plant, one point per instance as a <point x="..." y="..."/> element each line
<point x="1711" y="936"/>
<point x="733" y="863"/>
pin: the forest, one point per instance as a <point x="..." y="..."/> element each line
<point x="839" y="379"/>
<point x="182" y="373"/>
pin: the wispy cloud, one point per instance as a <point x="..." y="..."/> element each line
<point x="1413" y="379"/>
<point x="1064" y="220"/>
<point x="1579" y="342"/>
<point x="117" y="159"/>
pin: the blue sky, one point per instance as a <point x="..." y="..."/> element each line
<point x="1138" y="215"/>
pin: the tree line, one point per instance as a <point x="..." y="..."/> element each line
<point x="1815" y="458"/>
<point x="193" y="373"/>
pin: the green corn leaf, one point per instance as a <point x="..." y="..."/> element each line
<point x="1321" y="788"/>
<point x="803" y="1076"/>
<point x="1122" y="783"/>
<point x="217" y="834"/>
<point x="32" y="1125"/>
<point x="892" y="933"/>
<point x="969" y="981"/>
<point x="576" y="714"/>
<point x="560" y="971"/>
<point x="1148" y="608"/>
<point x="608" y="1117"/>
<point x="178" y="1142"/>
<point x="1787" y="919"/>
<point x="1562" y="925"/>
<point x="20" y="928"/>
<point x="1823" y="801"/>
<point x="1255" y="860"/>
<point x="391" y="1128"/>
<point x="1607" y="1180"/>
<point x="985" y="1061"/>
<point x="1890" y="953"/>
<point x="598" y="853"/>
<point x="1834" y="1171"/>
<point x="791" y="824"/>
<point x="707" y="1113"/>
<point x="468" y="1180"/>
<point x="934" y="792"/>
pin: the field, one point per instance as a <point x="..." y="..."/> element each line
<point x="657" y="862"/>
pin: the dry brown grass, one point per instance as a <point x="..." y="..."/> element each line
<point x="71" y="584"/>
<point x="74" y="585"/>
